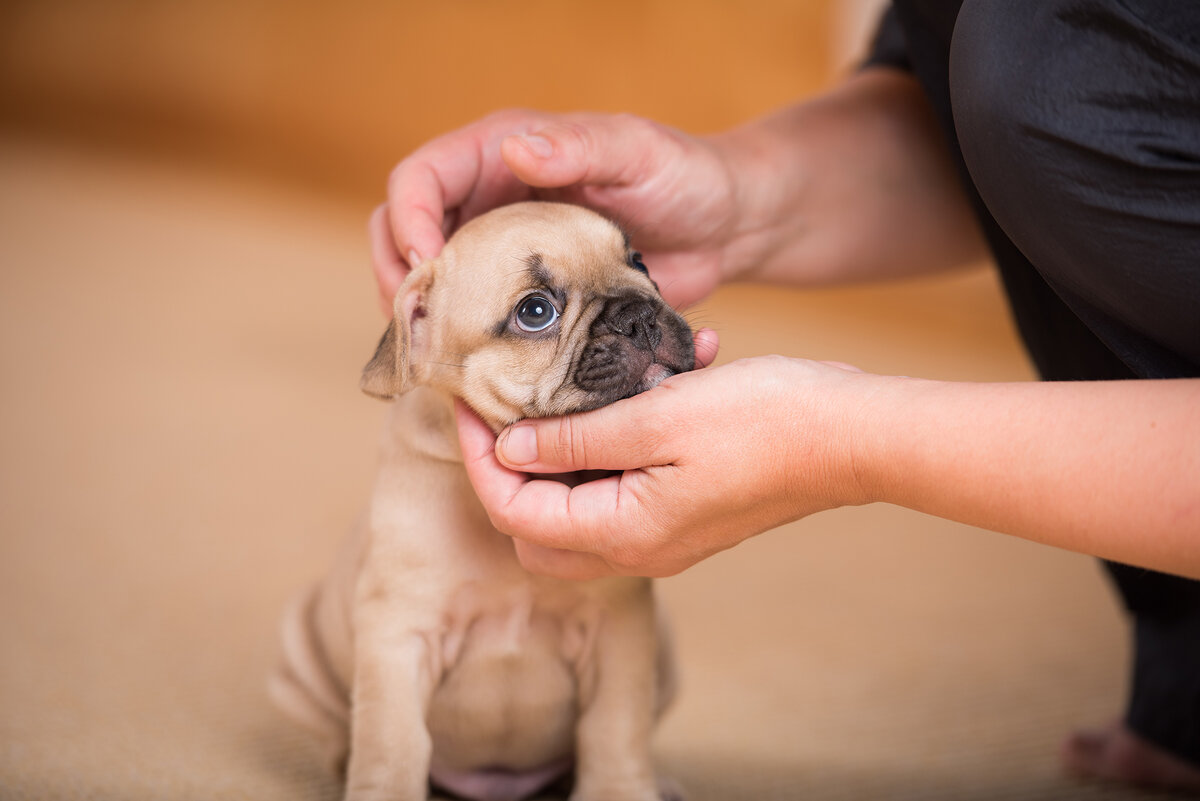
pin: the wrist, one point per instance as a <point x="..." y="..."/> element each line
<point x="869" y="419"/>
<point x="857" y="451"/>
<point x="830" y="432"/>
<point x="762" y="212"/>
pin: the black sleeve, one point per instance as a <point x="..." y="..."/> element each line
<point x="889" y="48"/>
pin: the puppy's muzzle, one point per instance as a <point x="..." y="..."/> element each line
<point x="633" y="345"/>
<point x="635" y="318"/>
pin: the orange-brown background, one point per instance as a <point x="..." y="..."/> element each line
<point x="184" y="306"/>
<point x="336" y="92"/>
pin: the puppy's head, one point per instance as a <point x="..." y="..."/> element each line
<point x="531" y="310"/>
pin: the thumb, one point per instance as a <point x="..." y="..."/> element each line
<point x="616" y="437"/>
<point x="600" y="151"/>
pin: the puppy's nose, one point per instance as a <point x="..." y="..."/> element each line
<point x="636" y="318"/>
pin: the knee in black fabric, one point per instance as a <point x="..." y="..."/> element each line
<point x="1077" y="121"/>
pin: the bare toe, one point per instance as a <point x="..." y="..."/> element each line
<point x="669" y="790"/>
<point x="1116" y="754"/>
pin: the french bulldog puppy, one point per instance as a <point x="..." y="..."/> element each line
<point x="428" y="656"/>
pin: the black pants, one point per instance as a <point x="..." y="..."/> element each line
<point x="1164" y="701"/>
<point x="1079" y="128"/>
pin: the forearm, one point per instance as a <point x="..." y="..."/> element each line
<point x="854" y="185"/>
<point x="1105" y="468"/>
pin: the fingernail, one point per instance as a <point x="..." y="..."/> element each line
<point x="414" y="259"/>
<point x="519" y="445"/>
<point x="539" y="146"/>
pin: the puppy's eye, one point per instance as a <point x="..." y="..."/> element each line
<point x="536" y="313"/>
<point x="635" y="261"/>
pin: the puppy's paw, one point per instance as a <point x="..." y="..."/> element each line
<point x="666" y="789"/>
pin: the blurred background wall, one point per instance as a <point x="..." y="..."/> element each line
<point x="333" y="94"/>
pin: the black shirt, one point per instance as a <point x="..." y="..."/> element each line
<point x="1075" y="125"/>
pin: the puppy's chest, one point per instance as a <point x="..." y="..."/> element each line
<point x="511" y="623"/>
<point x="512" y="663"/>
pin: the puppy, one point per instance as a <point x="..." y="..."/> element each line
<point x="428" y="655"/>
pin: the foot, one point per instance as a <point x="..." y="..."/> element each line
<point x="1117" y="754"/>
<point x="669" y="790"/>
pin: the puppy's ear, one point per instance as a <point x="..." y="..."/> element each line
<point x="390" y="371"/>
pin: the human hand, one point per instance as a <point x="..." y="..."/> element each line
<point x="708" y="459"/>
<point x="674" y="193"/>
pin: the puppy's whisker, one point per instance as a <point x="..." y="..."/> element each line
<point x="697" y="315"/>
<point x="629" y="224"/>
<point x="676" y="307"/>
<point x="635" y="229"/>
<point x="623" y="220"/>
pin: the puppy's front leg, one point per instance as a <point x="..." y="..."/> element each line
<point x="613" y="735"/>
<point x="390" y="746"/>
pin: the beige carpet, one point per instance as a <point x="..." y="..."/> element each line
<point x="183" y="443"/>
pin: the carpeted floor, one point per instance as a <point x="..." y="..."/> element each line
<point x="184" y="443"/>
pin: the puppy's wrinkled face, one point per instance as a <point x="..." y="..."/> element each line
<point x="532" y="310"/>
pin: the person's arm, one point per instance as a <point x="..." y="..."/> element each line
<point x="854" y="185"/>
<point x="851" y="185"/>
<point x="1108" y="468"/>
<point x="715" y="456"/>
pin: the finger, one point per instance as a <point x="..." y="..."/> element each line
<point x="706" y="343"/>
<point x="598" y="528"/>
<point x="622" y="436"/>
<point x="427" y="190"/>
<point x="561" y="563"/>
<point x="603" y="150"/>
<point x="493" y="482"/>
<point x="416" y="209"/>
<point x="580" y="519"/>
<point x="560" y="530"/>
<point x="511" y="498"/>
<point x="390" y="270"/>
